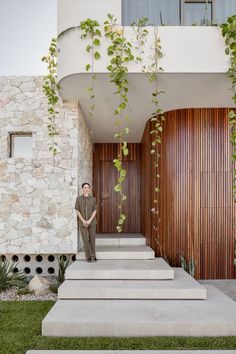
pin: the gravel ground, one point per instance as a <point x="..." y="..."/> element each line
<point x="11" y="295"/>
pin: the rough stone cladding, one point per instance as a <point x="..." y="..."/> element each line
<point x="37" y="195"/>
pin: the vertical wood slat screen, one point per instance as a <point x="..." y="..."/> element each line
<point x="196" y="202"/>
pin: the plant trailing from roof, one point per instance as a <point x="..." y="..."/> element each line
<point x="152" y="71"/>
<point x="157" y="118"/>
<point x="90" y="30"/>
<point x="50" y="88"/>
<point x="120" y="52"/>
<point x="141" y="34"/>
<point x="228" y="30"/>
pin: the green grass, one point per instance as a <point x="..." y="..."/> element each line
<point x="20" y="330"/>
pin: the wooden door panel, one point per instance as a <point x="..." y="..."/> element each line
<point x="109" y="199"/>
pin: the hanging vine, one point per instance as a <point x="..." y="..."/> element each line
<point x="141" y="34"/>
<point x="50" y="89"/>
<point x="121" y="54"/>
<point x="90" y="30"/>
<point x="157" y="118"/>
<point x="228" y="30"/>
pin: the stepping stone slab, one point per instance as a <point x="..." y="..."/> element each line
<point x="123" y="240"/>
<point x="182" y="287"/>
<point x="215" y="316"/>
<point x="155" y="268"/>
<point x="121" y="252"/>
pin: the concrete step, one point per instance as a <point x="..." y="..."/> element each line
<point x="122" y="240"/>
<point x="121" y="252"/>
<point x="132" y="351"/>
<point x="182" y="287"/>
<point x="215" y="316"/>
<point x="155" y="268"/>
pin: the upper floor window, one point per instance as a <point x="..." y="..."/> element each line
<point x="197" y="13"/>
<point x="21" y="145"/>
<point x="178" y="12"/>
<point x="158" y="12"/>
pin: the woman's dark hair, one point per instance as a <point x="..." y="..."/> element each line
<point x="85" y="184"/>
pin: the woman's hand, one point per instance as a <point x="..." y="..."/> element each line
<point x="86" y="223"/>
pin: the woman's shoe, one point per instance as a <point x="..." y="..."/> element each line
<point x="93" y="259"/>
<point x="89" y="260"/>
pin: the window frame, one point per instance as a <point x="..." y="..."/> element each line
<point x="11" y="143"/>
<point x="182" y="10"/>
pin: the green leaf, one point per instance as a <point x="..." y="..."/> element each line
<point x="117" y="188"/>
<point x="88" y="66"/>
<point x="88" y="48"/>
<point x="96" y="42"/>
<point x="97" y="55"/>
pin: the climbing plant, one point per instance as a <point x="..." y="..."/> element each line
<point x="152" y="70"/>
<point x="50" y="88"/>
<point x="157" y="118"/>
<point x="90" y="30"/>
<point x="120" y="52"/>
<point x="228" y="30"/>
<point x="141" y="34"/>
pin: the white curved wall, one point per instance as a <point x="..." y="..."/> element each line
<point x="186" y="50"/>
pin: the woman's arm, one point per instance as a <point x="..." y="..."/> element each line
<point x="92" y="216"/>
<point x="81" y="217"/>
<point x="94" y="210"/>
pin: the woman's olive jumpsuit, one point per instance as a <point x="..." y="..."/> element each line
<point x="86" y="206"/>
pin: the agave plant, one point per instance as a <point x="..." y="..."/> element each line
<point x="190" y="267"/>
<point x="8" y="276"/>
<point x="62" y="265"/>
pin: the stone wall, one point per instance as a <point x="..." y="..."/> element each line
<point x="37" y="195"/>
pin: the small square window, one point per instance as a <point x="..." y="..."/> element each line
<point x="21" y="145"/>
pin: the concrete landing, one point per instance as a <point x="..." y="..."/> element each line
<point x="131" y="351"/>
<point x="122" y="240"/>
<point x="120" y="269"/>
<point x="215" y="316"/>
<point x="121" y="252"/>
<point x="182" y="287"/>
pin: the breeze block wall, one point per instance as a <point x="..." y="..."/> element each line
<point x="37" y="195"/>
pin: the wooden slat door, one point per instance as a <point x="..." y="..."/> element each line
<point x="108" y="199"/>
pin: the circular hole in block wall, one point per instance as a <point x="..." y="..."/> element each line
<point x="39" y="258"/>
<point x="73" y="257"/>
<point x="3" y="258"/>
<point x="15" y="270"/>
<point x="63" y="257"/>
<point x="27" y="258"/>
<point x="39" y="270"/>
<point x="51" y="270"/>
<point x="27" y="270"/>
<point x="15" y="258"/>
<point x="51" y="258"/>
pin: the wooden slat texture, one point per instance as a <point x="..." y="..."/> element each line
<point x="196" y="202"/>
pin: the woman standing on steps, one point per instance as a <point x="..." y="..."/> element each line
<point x="86" y="209"/>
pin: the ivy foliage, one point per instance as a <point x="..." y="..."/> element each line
<point x="228" y="30"/>
<point x="120" y="52"/>
<point x="51" y="90"/>
<point x="90" y="30"/>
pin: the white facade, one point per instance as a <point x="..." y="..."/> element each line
<point x="194" y="63"/>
